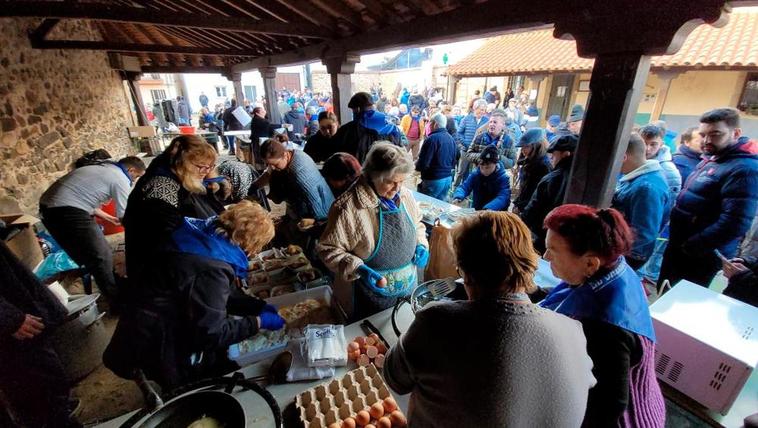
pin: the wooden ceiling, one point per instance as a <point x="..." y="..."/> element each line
<point x="238" y="35"/>
<point x="176" y="34"/>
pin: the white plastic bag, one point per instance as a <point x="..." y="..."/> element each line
<point x="326" y="345"/>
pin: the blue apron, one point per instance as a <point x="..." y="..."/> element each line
<point x="393" y="259"/>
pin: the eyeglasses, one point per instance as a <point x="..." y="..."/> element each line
<point x="203" y="168"/>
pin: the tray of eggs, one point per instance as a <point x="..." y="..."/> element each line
<point x="358" y="399"/>
<point x="365" y="350"/>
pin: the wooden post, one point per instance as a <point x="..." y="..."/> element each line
<point x="616" y="87"/>
<point x="268" y="74"/>
<point x="139" y="105"/>
<point x="452" y="87"/>
<point x="236" y="79"/>
<point x="660" y="98"/>
<point x="340" y="69"/>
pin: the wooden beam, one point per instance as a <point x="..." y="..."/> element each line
<point x="184" y="69"/>
<point x="136" y="47"/>
<point x="103" y="12"/>
<point x="43" y="29"/>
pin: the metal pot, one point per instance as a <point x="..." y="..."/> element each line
<point x="81" y="339"/>
<point x="185" y="409"/>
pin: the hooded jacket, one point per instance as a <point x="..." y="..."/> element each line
<point x="670" y="171"/>
<point x="686" y="161"/>
<point x="718" y="201"/>
<point x="492" y="192"/>
<point x="298" y="121"/>
<point x="643" y="197"/>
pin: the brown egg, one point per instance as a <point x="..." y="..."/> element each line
<point x="377" y="410"/>
<point x="384" y="422"/>
<point x="334" y="425"/>
<point x="380" y="346"/>
<point x="361" y="341"/>
<point x="370" y="341"/>
<point x="379" y="361"/>
<point x="362" y="418"/>
<point x="398" y="419"/>
<point x="390" y="405"/>
<point x="370" y="426"/>
<point x="371" y="351"/>
<point x="364" y="360"/>
<point x="353" y="346"/>
<point x="348" y="423"/>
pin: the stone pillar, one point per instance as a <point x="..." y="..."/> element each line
<point x="268" y="74"/>
<point x="452" y="87"/>
<point x="132" y="80"/>
<point x="615" y="90"/>
<point x="340" y="69"/>
<point x="660" y="98"/>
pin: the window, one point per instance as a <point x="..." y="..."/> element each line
<point x="221" y="91"/>
<point x="749" y="99"/>
<point x="158" y="95"/>
<point x="250" y="93"/>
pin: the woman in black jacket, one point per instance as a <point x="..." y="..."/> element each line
<point x="533" y="164"/>
<point x="171" y="189"/>
<point x="177" y="327"/>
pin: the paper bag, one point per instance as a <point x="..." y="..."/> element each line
<point x="442" y="262"/>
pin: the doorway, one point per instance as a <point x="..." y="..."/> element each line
<point x="560" y="95"/>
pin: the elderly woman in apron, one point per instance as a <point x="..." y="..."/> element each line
<point x="374" y="240"/>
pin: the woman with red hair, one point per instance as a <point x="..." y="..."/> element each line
<point x="585" y="248"/>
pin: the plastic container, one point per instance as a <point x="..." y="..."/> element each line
<point x="187" y="130"/>
<point x="322" y="294"/>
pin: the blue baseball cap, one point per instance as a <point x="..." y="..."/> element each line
<point x="531" y="136"/>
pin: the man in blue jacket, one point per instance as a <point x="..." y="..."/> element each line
<point x="490" y="185"/>
<point x="643" y="197"/>
<point x="689" y="153"/>
<point x="437" y="159"/>
<point x="466" y="133"/>
<point x="717" y="204"/>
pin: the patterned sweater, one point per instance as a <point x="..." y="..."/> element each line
<point x="302" y="187"/>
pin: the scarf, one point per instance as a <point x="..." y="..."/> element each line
<point x="199" y="237"/>
<point x="615" y="297"/>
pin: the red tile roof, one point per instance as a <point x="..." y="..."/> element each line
<point x="733" y="46"/>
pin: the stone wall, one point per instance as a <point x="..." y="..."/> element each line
<point x="54" y="106"/>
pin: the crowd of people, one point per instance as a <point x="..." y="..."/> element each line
<point x="590" y="339"/>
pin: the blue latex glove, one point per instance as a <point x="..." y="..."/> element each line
<point x="371" y="276"/>
<point x="270" y="308"/>
<point x="271" y="321"/>
<point x="422" y="256"/>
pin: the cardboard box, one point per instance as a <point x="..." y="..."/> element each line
<point x="23" y="243"/>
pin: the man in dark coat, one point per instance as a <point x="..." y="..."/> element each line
<point x="551" y="189"/>
<point x="260" y="127"/>
<point x="355" y="138"/>
<point x="296" y="118"/>
<point x="717" y="205"/>
<point x="31" y="374"/>
<point x="231" y="124"/>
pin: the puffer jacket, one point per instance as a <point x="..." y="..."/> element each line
<point x="467" y="129"/>
<point x="670" y="171"/>
<point x="643" y="197"/>
<point x="718" y="201"/>
<point x="492" y="192"/>
<point x="686" y="161"/>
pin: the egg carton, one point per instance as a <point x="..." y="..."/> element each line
<point x="335" y="401"/>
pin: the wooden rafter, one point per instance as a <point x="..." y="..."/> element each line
<point x="136" y="47"/>
<point x="102" y="12"/>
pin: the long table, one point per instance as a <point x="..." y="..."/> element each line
<point x="442" y="205"/>
<point x="258" y="413"/>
